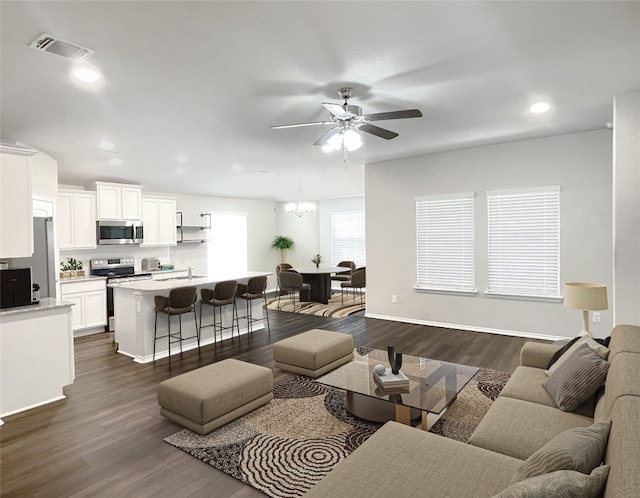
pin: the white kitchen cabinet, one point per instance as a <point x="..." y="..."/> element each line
<point x="16" y="211"/>
<point x="76" y="220"/>
<point x="119" y="201"/>
<point x="159" y="222"/>
<point x="90" y="302"/>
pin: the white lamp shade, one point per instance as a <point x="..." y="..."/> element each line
<point x="585" y="296"/>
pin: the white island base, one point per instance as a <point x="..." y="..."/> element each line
<point x="135" y="317"/>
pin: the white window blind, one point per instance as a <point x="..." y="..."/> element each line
<point x="524" y="242"/>
<point x="227" y="250"/>
<point x="445" y="236"/>
<point x="348" y="242"/>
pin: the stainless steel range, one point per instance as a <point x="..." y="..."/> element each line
<point x="116" y="269"/>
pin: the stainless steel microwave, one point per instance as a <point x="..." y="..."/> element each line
<point x="119" y="232"/>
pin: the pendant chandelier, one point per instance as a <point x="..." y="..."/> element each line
<point x="300" y="208"/>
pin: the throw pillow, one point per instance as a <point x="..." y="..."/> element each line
<point x="580" y="448"/>
<point x="556" y="356"/>
<point x="604" y="342"/>
<point x="576" y="378"/>
<point x="601" y="350"/>
<point x="564" y="483"/>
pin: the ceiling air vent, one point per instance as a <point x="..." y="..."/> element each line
<point x="60" y="47"/>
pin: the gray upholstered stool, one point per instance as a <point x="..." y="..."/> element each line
<point x="313" y="353"/>
<point x="209" y="397"/>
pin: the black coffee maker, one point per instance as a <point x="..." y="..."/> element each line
<point x="15" y="287"/>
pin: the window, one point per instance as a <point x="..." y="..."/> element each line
<point x="228" y="258"/>
<point x="445" y="236"/>
<point x="524" y="242"/>
<point x="348" y="241"/>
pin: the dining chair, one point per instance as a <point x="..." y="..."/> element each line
<point x="358" y="281"/>
<point x="291" y="283"/>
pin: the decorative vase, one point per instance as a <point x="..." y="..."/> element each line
<point x="317" y="265"/>
<point x="73" y="274"/>
<point x="395" y="359"/>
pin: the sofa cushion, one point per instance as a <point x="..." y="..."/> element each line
<point x="562" y="483"/>
<point x="519" y="428"/>
<point x="623" y="449"/>
<point x="580" y="448"/>
<point x="602" y="351"/>
<point x="624" y="339"/>
<point x="526" y="384"/>
<point x="399" y="460"/>
<point x="623" y="379"/>
<point x="577" y="378"/>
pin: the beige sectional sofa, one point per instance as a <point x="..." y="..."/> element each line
<point x="403" y="461"/>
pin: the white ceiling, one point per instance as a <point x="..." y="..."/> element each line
<point x="207" y="80"/>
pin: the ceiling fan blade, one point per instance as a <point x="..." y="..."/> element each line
<point x="339" y="111"/>
<point x="377" y="131"/>
<point x="379" y="116"/>
<point x="279" y="127"/>
<point x="326" y="136"/>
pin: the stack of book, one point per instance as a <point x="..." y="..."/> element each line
<point x="390" y="380"/>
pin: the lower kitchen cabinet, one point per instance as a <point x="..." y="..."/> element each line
<point x="90" y="303"/>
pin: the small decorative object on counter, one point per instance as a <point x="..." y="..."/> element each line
<point x="36" y="292"/>
<point x="72" y="268"/>
<point x="395" y="359"/>
<point x="317" y="259"/>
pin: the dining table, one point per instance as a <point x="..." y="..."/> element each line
<point x="320" y="280"/>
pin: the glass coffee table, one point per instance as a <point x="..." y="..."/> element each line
<point x="433" y="386"/>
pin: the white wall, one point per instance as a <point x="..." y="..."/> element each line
<point x="626" y="208"/>
<point x="580" y="163"/>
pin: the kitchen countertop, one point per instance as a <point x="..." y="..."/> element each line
<point x="83" y="279"/>
<point x="172" y="283"/>
<point x="44" y="304"/>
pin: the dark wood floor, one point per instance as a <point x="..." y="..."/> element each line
<point x="106" y="438"/>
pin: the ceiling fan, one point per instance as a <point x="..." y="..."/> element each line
<point x="347" y="120"/>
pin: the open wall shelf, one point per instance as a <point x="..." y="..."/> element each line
<point x="193" y="234"/>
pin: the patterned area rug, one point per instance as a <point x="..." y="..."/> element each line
<point x="334" y="309"/>
<point x="289" y="444"/>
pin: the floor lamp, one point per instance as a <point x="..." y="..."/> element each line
<point x="585" y="297"/>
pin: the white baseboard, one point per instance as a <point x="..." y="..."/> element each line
<point x="57" y="398"/>
<point x="515" y="333"/>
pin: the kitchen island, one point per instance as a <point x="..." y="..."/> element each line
<point x="134" y="311"/>
<point x="36" y="354"/>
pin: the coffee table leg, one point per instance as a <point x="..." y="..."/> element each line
<point x="403" y="414"/>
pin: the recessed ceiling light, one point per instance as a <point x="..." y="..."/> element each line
<point x="86" y="74"/>
<point x="115" y="161"/>
<point x="540" y="107"/>
<point x="106" y="145"/>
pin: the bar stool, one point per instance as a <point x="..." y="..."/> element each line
<point x="223" y="294"/>
<point x="180" y="301"/>
<point x="254" y="289"/>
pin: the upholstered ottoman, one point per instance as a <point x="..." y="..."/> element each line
<point x="211" y="396"/>
<point x="313" y="353"/>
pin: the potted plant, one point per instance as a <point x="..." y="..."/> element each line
<point x="65" y="270"/>
<point x="283" y="244"/>
<point x="317" y="259"/>
<point x="73" y="267"/>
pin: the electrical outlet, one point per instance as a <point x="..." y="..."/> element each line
<point x="596" y="317"/>
<point x="394" y="299"/>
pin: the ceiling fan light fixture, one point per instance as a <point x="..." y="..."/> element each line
<point x="334" y="143"/>
<point x="352" y="140"/>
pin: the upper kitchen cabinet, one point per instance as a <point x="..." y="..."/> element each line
<point x="159" y="222"/>
<point x="117" y="201"/>
<point x="76" y="219"/>
<point x="16" y="210"/>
